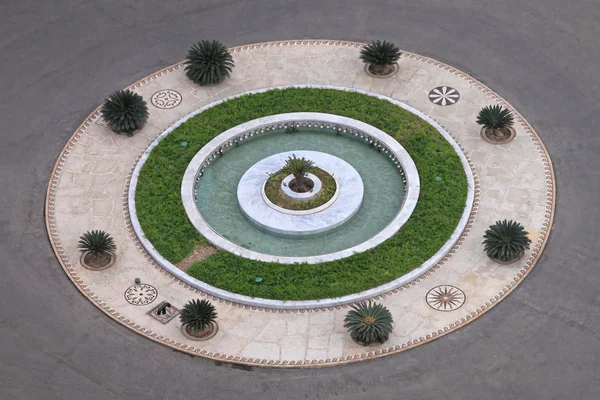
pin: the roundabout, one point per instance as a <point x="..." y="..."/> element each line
<point x="455" y="286"/>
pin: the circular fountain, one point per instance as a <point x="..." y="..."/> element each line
<point x="377" y="187"/>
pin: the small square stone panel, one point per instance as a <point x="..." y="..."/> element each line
<point x="171" y="312"/>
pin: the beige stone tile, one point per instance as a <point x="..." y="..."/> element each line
<point x="316" y="330"/>
<point x="464" y="261"/>
<point x="341" y="78"/>
<point x="337" y="342"/>
<point x="231" y="344"/>
<point x="322" y="318"/>
<point x="293" y="348"/>
<point x="338" y="325"/>
<point x="267" y="351"/>
<point x="318" y="342"/>
<point x="518" y="201"/>
<point x="363" y="82"/>
<point x="102" y="208"/>
<point x="298" y="325"/>
<point x="273" y="331"/>
<point x="316" y="354"/>
<point x="382" y="86"/>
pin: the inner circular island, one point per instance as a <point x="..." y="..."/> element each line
<point x="262" y="212"/>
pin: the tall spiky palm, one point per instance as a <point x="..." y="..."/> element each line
<point x="125" y="112"/>
<point x="506" y="241"/>
<point x="199" y="315"/>
<point x="369" y="323"/>
<point x="208" y="62"/>
<point x="380" y="55"/>
<point x="299" y="167"/>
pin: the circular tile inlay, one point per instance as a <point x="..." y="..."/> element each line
<point x="140" y="295"/>
<point x="445" y="298"/>
<point x="166" y="99"/>
<point x="444" y="96"/>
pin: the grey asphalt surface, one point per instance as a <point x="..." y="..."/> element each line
<point x="60" y="59"/>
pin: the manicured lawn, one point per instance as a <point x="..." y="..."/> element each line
<point x="438" y="211"/>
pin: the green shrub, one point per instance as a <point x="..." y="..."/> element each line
<point x="125" y="112"/>
<point x="380" y="55"/>
<point x="299" y="167"/>
<point x="369" y="323"/>
<point x="506" y="241"/>
<point x="97" y="244"/>
<point x="495" y="118"/>
<point x="208" y="62"/>
<point x="198" y="315"/>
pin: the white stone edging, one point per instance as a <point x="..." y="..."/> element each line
<point x="285" y="187"/>
<point x="321" y="303"/>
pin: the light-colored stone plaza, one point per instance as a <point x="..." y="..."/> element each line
<point x="90" y="189"/>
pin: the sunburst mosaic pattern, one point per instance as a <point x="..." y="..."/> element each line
<point x="444" y="96"/>
<point x="445" y="298"/>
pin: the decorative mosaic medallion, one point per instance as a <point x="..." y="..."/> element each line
<point x="444" y="96"/>
<point x="140" y="295"/>
<point x="445" y="298"/>
<point x="166" y="317"/>
<point x="166" y="99"/>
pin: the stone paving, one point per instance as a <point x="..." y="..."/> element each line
<point x="88" y="190"/>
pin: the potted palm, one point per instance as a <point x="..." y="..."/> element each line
<point x="506" y="241"/>
<point x="380" y="59"/>
<point x="125" y="112"/>
<point x="198" y="320"/>
<point x="369" y="323"/>
<point x="208" y="62"/>
<point x="97" y="250"/>
<point x="497" y="124"/>
<point x="299" y="167"/>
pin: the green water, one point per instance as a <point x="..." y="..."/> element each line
<point x="217" y="193"/>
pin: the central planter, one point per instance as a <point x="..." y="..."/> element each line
<point x="266" y="215"/>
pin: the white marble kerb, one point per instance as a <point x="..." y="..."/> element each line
<point x="253" y="205"/>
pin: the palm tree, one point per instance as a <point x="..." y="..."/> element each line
<point x="495" y="119"/>
<point x="380" y="55"/>
<point x="198" y="315"/>
<point x="208" y="62"/>
<point x="299" y="167"/>
<point x="369" y="323"/>
<point x="125" y="112"/>
<point x="97" y="244"/>
<point x="506" y="241"/>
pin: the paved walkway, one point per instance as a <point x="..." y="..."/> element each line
<point x="88" y="191"/>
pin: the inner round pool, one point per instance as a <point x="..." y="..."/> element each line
<point x="216" y="193"/>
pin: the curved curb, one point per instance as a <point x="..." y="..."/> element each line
<point x="110" y="312"/>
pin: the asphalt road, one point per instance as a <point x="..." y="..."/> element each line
<point x="60" y="59"/>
